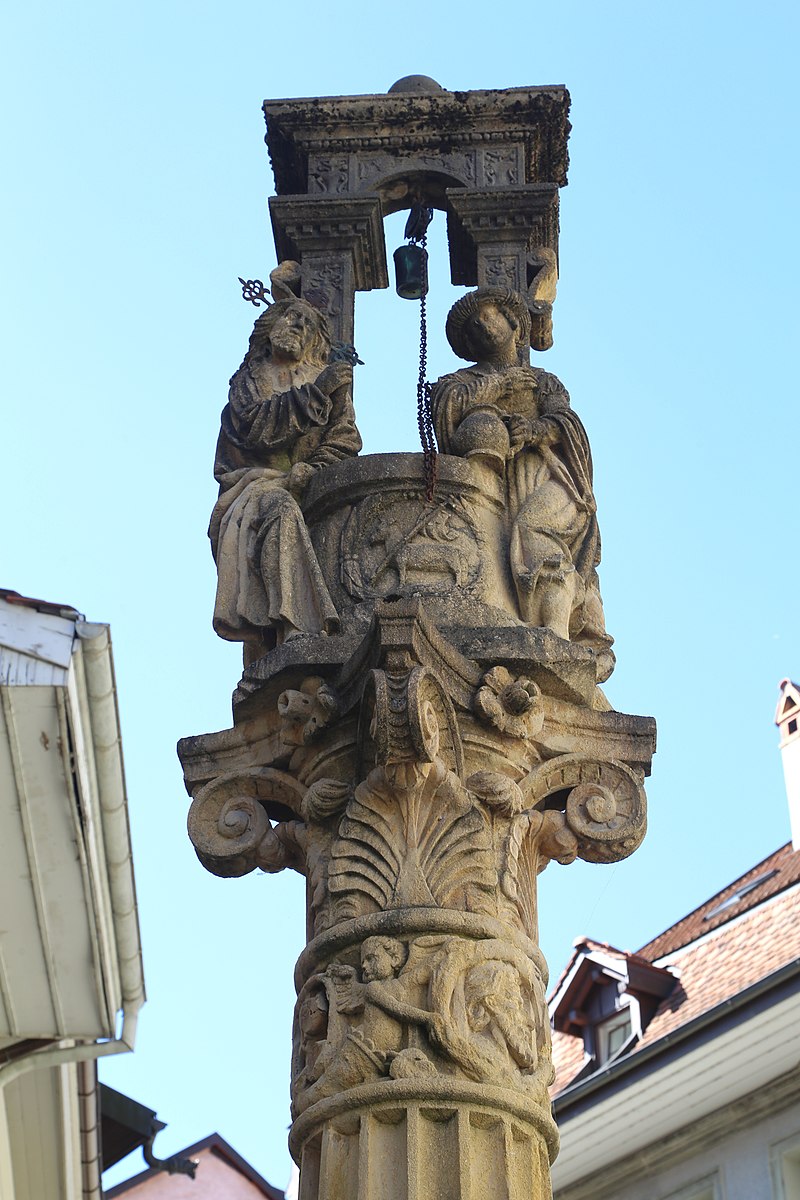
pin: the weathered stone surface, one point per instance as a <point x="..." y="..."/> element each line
<point x="493" y="161"/>
<point x="420" y="795"/>
<point x="289" y="413"/>
<point x="419" y="728"/>
<point x="339" y="244"/>
<point x="518" y="421"/>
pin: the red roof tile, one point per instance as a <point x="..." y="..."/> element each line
<point x="786" y="865"/>
<point x="568" y="1058"/>
<point x="729" y="961"/>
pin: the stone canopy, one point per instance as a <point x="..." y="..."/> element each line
<point x="493" y="161"/>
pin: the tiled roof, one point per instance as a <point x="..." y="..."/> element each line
<point x="43" y="606"/>
<point x="568" y="1058"/>
<point x="159" y="1183"/>
<point x="580" y="944"/>
<point x="783" y="862"/>
<point x="715" y="959"/>
<point x="729" y="961"/>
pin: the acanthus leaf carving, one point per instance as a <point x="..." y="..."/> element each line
<point x="412" y="833"/>
<point x="411" y="836"/>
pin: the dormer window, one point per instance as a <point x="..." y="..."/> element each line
<point x="607" y="998"/>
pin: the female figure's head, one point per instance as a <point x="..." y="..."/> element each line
<point x="491" y="324"/>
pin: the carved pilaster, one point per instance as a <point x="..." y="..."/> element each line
<point x="339" y="243"/>
<point x="510" y="245"/>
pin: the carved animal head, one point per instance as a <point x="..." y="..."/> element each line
<point x="314" y="1014"/>
<point x="306" y="712"/>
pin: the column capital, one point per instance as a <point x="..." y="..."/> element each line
<point x="352" y="225"/>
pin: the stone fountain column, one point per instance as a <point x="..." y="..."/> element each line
<point x="419" y="728"/>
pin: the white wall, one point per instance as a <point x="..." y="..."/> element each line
<point x="740" y="1163"/>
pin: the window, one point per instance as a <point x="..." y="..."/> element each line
<point x="739" y="894"/>
<point x="707" y="1188"/>
<point x="611" y="1034"/>
<point x="784" y="1161"/>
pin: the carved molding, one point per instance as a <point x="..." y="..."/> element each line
<point x="297" y="130"/>
<point x="321" y="223"/>
<point x="388" y="1099"/>
<point x="513" y="244"/>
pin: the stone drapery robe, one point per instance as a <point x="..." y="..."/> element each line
<point x="548" y="487"/>
<point x="268" y="574"/>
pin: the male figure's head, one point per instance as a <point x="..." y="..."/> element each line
<point x="291" y="331"/>
<point x="314" y="1014"/>
<point x="493" y="996"/>
<point x="381" y="958"/>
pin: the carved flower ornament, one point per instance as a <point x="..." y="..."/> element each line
<point x="512" y="705"/>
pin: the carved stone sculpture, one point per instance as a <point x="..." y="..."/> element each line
<point x="289" y="413"/>
<point x="437" y="736"/>
<point x="518" y="420"/>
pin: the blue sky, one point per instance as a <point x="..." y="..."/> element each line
<point x="135" y="194"/>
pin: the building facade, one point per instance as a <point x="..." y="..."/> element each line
<point x="71" y="981"/>
<point x="678" y="1073"/>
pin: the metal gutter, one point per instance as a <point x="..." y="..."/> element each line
<point x="106" y="740"/>
<point x="611" y="1075"/>
<point x="89" y="1125"/>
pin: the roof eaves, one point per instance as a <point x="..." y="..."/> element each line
<point x="50" y="607"/>
<point x="217" y="1145"/>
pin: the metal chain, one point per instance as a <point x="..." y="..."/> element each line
<point x="424" y="418"/>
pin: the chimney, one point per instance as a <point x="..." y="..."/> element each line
<point x="787" y="718"/>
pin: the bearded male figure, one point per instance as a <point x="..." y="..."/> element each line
<point x="517" y="421"/>
<point x="289" y="413"/>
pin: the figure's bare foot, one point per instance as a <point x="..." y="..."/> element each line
<point x="291" y="634"/>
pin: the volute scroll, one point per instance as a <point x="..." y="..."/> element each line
<point x="604" y="803"/>
<point x="228" y="820"/>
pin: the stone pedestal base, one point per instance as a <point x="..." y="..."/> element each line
<point x="427" y="1148"/>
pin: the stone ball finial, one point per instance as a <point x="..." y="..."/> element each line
<point x="415" y="83"/>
